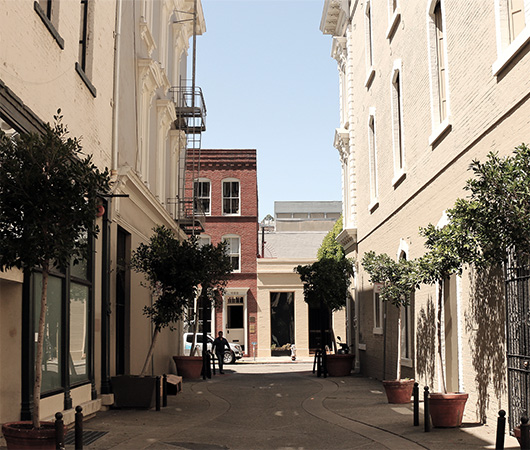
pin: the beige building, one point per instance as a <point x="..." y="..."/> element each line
<point x="117" y="70"/>
<point x="292" y="239"/>
<point x="426" y="87"/>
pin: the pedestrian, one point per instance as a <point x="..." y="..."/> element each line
<point x="219" y="344"/>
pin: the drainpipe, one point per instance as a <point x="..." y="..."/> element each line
<point x="116" y="87"/>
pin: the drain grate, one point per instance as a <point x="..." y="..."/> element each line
<point x="89" y="436"/>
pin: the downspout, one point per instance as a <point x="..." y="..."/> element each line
<point x="116" y="88"/>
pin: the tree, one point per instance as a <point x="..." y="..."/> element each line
<point x="399" y="279"/>
<point x="49" y="193"/>
<point x="330" y="248"/>
<point x="171" y="267"/>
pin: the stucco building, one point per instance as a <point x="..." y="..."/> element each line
<point x="427" y="87"/>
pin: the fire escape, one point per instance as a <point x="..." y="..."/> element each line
<point x="191" y="121"/>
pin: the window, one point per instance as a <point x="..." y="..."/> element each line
<point x="203" y="240"/>
<point x="406" y="320"/>
<point x="83" y="66"/>
<point x="513" y="33"/>
<point x="394" y="16"/>
<point x="439" y="80"/>
<point x="234" y="251"/>
<point x="201" y="193"/>
<point x="372" y="160"/>
<point x="230" y="197"/>
<point x="397" y="124"/>
<point x="48" y="11"/>
<point x="378" y="309"/>
<point x="370" y="71"/>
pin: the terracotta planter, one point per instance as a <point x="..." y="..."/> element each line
<point x="188" y="366"/>
<point x="447" y="410"/>
<point x="339" y="365"/>
<point x="398" y="391"/>
<point x="22" y="435"/>
<point x="133" y="391"/>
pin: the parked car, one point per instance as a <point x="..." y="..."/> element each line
<point x="229" y="357"/>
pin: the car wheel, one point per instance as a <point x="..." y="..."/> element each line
<point x="229" y="357"/>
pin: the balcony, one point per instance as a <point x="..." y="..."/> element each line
<point x="190" y="109"/>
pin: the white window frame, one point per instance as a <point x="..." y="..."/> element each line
<point x="394" y="16"/>
<point x="230" y="250"/>
<point x="439" y="126"/>
<point x="508" y="49"/>
<point x="378" y="308"/>
<point x="204" y="239"/>
<point x="369" y="43"/>
<point x="398" y="135"/>
<point x="372" y="160"/>
<point x="230" y="180"/>
<point x="196" y="197"/>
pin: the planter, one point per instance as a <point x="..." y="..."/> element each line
<point x="339" y="365"/>
<point x="22" y="435"/>
<point x="188" y="366"/>
<point x="133" y="391"/>
<point x="398" y="391"/>
<point x="447" y="410"/>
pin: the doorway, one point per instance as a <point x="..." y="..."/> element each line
<point x="123" y="251"/>
<point x="282" y="322"/>
<point x="235" y="320"/>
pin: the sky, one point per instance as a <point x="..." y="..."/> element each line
<point x="270" y="84"/>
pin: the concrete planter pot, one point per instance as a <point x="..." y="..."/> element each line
<point x="447" y="410"/>
<point x="21" y="435"/>
<point x="398" y="391"/>
<point x="188" y="366"/>
<point x="339" y="365"/>
<point x="134" y="392"/>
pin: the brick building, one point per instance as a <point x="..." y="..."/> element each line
<point x="427" y="87"/>
<point x="226" y="192"/>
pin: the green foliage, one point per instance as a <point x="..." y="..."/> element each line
<point x="330" y="248"/>
<point x="399" y="279"/>
<point x="48" y="198"/>
<point x="326" y="280"/>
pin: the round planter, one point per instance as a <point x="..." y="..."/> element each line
<point x="398" y="391"/>
<point x="188" y="366"/>
<point x="21" y="435"/>
<point x="447" y="410"/>
<point x="339" y="365"/>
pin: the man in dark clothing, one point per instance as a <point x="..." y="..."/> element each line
<point x="219" y="344"/>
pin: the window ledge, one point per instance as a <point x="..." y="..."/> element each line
<point x="373" y="205"/>
<point x="406" y="362"/>
<point x="378" y="331"/>
<point x="85" y="79"/>
<point x="362" y="346"/>
<point x="369" y="78"/>
<point x="509" y="53"/>
<point x="392" y="26"/>
<point x="440" y="130"/>
<point x="398" y="177"/>
<point x="49" y="25"/>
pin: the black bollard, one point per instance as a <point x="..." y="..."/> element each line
<point x="501" y="427"/>
<point x="525" y="433"/>
<point x="78" y="428"/>
<point x="59" y="431"/>
<point x="416" y="405"/>
<point x="164" y="391"/>
<point x="157" y="393"/>
<point x="427" y="417"/>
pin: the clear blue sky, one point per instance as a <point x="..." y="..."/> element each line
<point x="270" y="83"/>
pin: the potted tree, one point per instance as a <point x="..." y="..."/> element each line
<point x="325" y="284"/>
<point x="213" y="269"/>
<point x="49" y="191"/>
<point x="398" y="280"/>
<point x="170" y="268"/>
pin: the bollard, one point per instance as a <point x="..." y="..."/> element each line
<point x="59" y="431"/>
<point x="78" y="428"/>
<point x="157" y="395"/>
<point x="501" y="427"/>
<point x="525" y="433"/>
<point x="427" y="417"/>
<point x="164" y="391"/>
<point x="416" y="405"/>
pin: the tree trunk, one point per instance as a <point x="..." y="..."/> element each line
<point x="156" y="333"/>
<point x="398" y="371"/>
<point x="439" y="330"/>
<point x="40" y="345"/>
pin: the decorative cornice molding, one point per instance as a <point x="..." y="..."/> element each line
<point x="335" y="17"/>
<point x="348" y="239"/>
<point x="342" y="143"/>
<point x="147" y="36"/>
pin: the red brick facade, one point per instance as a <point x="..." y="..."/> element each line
<point x="239" y="165"/>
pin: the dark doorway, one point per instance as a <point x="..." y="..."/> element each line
<point x="316" y="318"/>
<point x="123" y="252"/>
<point x="282" y="321"/>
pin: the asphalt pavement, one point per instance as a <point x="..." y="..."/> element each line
<point x="269" y="404"/>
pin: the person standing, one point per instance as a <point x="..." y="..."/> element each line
<point x="219" y="344"/>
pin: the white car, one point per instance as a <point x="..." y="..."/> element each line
<point x="229" y="357"/>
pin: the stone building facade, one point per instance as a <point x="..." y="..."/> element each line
<point x="426" y="87"/>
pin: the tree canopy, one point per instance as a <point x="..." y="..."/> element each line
<point x="330" y="247"/>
